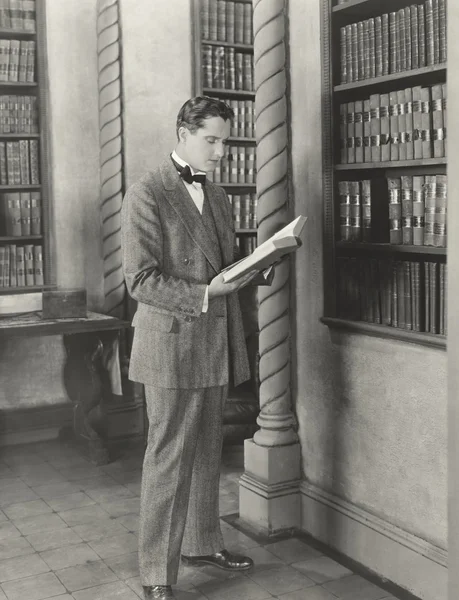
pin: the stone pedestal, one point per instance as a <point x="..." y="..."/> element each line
<point x="269" y="496"/>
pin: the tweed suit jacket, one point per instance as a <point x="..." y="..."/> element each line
<point x="168" y="259"/>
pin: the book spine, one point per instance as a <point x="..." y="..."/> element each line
<point x="429" y="210"/>
<point x="407" y="294"/>
<point x="230" y="73"/>
<point x="30" y="70"/>
<point x="23" y="50"/>
<point x="238" y="23"/>
<point x="394" y="126"/>
<point x="13" y="66"/>
<point x="384" y="127"/>
<point x="426" y="296"/>
<point x="224" y="169"/>
<point x="433" y="292"/>
<point x="248" y="27"/>
<point x="234" y="121"/>
<point x="34" y="163"/>
<point x="20" y="266"/>
<point x="414" y="36"/>
<point x="392" y="42"/>
<point x="442" y="31"/>
<point x="241" y="164"/>
<point x="38" y="265"/>
<point x="3" y="165"/>
<point x="343" y="62"/>
<point x="366" y="210"/>
<point x="401" y="47"/>
<point x="350" y="132"/>
<point x="2" y="266"/>
<point x="230" y="16"/>
<point x="241" y="117"/>
<point x="237" y="211"/>
<point x="385" y="44"/>
<point x="28" y="265"/>
<point x="437" y="121"/>
<point x="378" y="47"/>
<point x="35" y="213"/>
<point x="445" y="120"/>
<point x="375" y="127"/>
<point x="13" y="221"/>
<point x="358" y="131"/>
<point x="439" y="234"/>
<point x="418" y="210"/>
<point x="213" y="27"/>
<point x="366" y="131"/>
<point x="429" y="35"/>
<point x="426" y="123"/>
<point x="372" y="47"/>
<point x="409" y="143"/>
<point x="401" y="124"/>
<point x="239" y="71"/>
<point x="29" y="15"/>
<point x="247" y="72"/>
<point x="207" y="69"/>
<point x="250" y="164"/>
<point x="401" y="295"/>
<point x="249" y="119"/>
<point x="395" y="210"/>
<point x="360" y="51"/>
<point x="24" y="161"/>
<point x="343" y="132"/>
<point x="16" y="15"/>
<point x="349" y="71"/>
<point x="355" y="211"/>
<point x="4" y="59"/>
<point x="25" y="213"/>
<point x="417" y="122"/>
<point x="366" y="50"/>
<point x="407" y="209"/>
<point x="344" y="210"/>
<point x="422" y="36"/>
<point x="408" y="58"/>
<point x="221" y="20"/>
<point x="204" y="15"/>
<point x="436" y="31"/>
<point x="355" y="52"/>
<point x="245" y="211"/>
<point x="442" y="292"/>
<point x="13" y="267"/>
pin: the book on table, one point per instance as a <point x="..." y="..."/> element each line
<point x="269" y="252"/>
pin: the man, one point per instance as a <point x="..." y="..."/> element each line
<point x="177" y="236"/>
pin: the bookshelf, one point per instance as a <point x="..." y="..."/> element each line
<point x="26" y="242"/>
<point x="385" y="184"/>
<point x="223" y="68"/>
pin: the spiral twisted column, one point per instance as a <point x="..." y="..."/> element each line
<point x="111" y="161"/>
<point x="276" y="420"/>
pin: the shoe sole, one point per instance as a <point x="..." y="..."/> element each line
<point x="200" y="562"/>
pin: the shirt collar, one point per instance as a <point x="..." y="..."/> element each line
<point x="182" y="163"/>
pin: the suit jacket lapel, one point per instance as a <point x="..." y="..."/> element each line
<point x="182" y="203"/>
<point x="221" y="226"/>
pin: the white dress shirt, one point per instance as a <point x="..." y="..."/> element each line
<point x="197" y="195"/>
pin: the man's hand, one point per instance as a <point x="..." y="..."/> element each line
<point x="217" y="287"/>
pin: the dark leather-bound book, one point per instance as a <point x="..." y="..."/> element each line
<point x="205" y="19"/>
<point x="395" y="210"/>
<point x="418" y="210"/>
<point x="430" y="186"/>
<point x="407" y="209"/>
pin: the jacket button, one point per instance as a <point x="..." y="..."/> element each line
<point x="188" y="319"/>
<point x="187" y="261"/>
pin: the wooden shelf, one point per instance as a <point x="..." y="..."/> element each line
<point x="414" y="76"/>
<point x="23" y="188"/>
<point x="246" y="231"/>
<point x="222" y="93"/>
<point x="392" y="164"/>
<point x="23" y="289"/>
<point x="385" y="331"/>
<point x="19" y="136"/>
<point x="363" y="9"/>
<point x="252" y="186"/>
<point x="233" y="139"/>
<point x="16" y="33"/>
<point x="20" y="84"/>
<point x="390" y="248"/>
<point x="19" y="238"/>
<point x="237" y="46"/>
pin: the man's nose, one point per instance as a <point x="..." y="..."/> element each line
<point x="220" y="151"/>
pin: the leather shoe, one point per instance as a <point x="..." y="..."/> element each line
<point x="158" y="592"/>
<point x="223" y="560"/>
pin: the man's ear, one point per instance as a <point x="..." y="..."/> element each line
<point x="183" y="133"/>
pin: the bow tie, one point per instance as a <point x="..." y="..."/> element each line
<point x="186" y="174"/>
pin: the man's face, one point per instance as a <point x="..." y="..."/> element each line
<point x="206" y="146"/>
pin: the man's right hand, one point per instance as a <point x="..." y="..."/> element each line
<point x="217" y="287"/>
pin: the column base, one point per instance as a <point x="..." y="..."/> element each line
<point x="269" y="490"/>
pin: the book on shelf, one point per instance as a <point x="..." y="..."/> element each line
<point x="395" y="42"/>
<point x="21" y="266"/>
<point x="226" y="68"/>
<point x="226" y="21"/>
<point x="403" y="124"/>
<point x="238" y="166"/>
<point x="283" y="242"/>
<point x="19" y="15"/>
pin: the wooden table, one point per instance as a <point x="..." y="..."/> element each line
<point x="89" y="344"/>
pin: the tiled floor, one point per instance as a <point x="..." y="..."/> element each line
<point x="68" y="531"/>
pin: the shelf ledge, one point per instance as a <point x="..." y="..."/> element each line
<point x="383" y="331"/>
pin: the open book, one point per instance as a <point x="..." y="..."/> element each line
<point x="266" y="254"/>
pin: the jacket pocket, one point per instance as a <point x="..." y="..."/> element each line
<point x="153" y="321"/>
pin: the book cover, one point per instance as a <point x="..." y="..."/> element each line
<point x="395" y="210"/>
<point x="28" y="265"/>
<point x="269" y="252"/>
<point x="407" y="209"/>
<point x="418" y="210"/>
<point x="38" y="265"/>
<point x="430" y="187"/>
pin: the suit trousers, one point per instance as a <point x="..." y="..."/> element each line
<point x="179" y="501"/>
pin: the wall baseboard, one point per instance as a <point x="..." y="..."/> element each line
<point x="406" y="560"/>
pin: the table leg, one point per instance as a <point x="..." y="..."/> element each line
<point x="87" y="383"/>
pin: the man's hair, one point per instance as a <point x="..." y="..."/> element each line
<point x="196" y="110"/>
